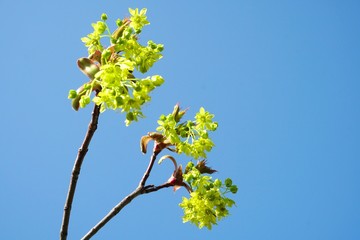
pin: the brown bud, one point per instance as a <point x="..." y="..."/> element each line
<point x="88" y="67"/>
<point x="201" y="166"/>
<point x="118" y="32"/>
<point x="176" y="180"/>
<point x="96" y="56"/>
<point x="177" y="113"/>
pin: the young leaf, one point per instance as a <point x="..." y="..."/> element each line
<point x="88" y="67"/>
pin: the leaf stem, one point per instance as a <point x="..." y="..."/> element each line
<point x="76" y="171"/>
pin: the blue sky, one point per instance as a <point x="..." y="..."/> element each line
<point x="282" y="78"/>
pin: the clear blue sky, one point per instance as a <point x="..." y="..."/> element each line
<point x="282" y="78"/>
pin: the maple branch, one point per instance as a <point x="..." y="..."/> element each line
<point x="76" y="171"/>
<point x="152" y="188"/>
<point x="141" y="189"/>
<point x="149" y="168"/>
<point x="112" y="213"/>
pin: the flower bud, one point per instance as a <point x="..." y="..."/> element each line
<point x="160" y="47"/>
<point x="233" y="189"/>
<point x="104" y="17"/>
<point x="228" y="182"/>
<point x="176" y="110"/>
<point x="130" y="116"/>
<point x="119" y="22"/>
<point x="177" y="114"/>
<point x="84" y="100"/>
<point x="72" y="94"/>
<point x="119" y="101"/>
<point x="217" y="183"/>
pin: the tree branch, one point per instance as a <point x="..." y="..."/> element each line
<point x="76" y="171"/>
<point x="149" y="168"/>
<point x="112" y="213"/>
<point x="141" y="189"/>
<point x="152" y="188"/>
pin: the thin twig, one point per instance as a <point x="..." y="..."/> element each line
<point x="149" y="189"/>
<point x="76" y="171"/>
<point x="148" y="170"/>
<point x="141" y="189"/>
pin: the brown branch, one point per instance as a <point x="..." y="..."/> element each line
<point x="148" y="170"/>
<point x="112" y="213"/>
<point x="152" y="188"/>
<point x="76" y="171"/>
<point x="141" y="189"/>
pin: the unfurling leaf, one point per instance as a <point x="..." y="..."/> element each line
<point x="119" y="31"/>
<point x="144" y="142"/>
<point x="88" y="67"/>
<point x="160" y="142"/>
<point x="169" y="157"/>
<point x="177" y="114"/>
<point x="176" y="178"/>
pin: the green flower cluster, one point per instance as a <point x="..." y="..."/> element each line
<point x="92" y="40"/>
<point x="111" y="70"/>
<point x="138" y="20"/>
<point x="190" y="137"/>
<point x="207" y="203"/>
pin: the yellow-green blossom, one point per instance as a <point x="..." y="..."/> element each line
<point x="114" y="67"/>
<point x="207" y="203"/>
<point x="138" y="19"/>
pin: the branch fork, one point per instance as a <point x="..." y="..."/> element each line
<point x="142" y="188"/>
